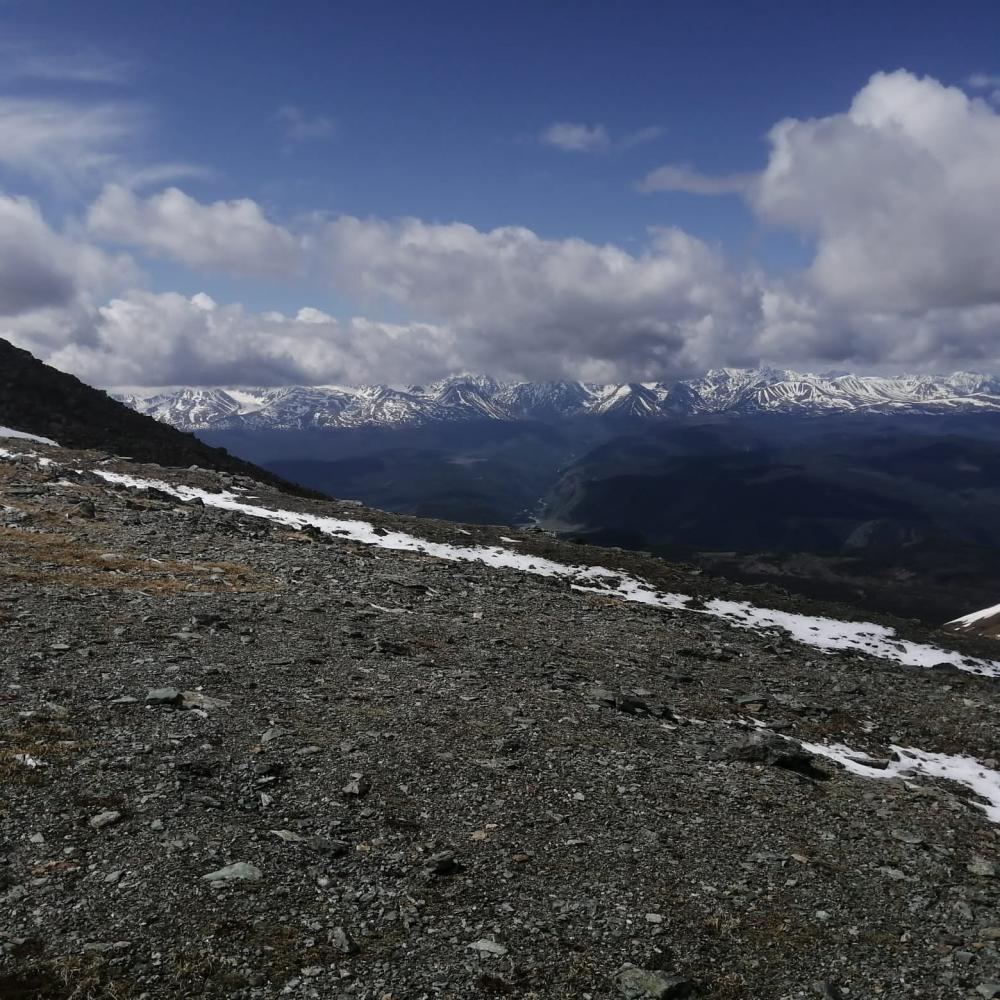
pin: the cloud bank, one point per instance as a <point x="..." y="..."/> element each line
<point x="898" y="196"/>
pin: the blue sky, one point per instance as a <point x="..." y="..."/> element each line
<point x="541" y="116"/>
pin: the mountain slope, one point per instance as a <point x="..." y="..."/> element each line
<point x="41" y="400"/>
<point x="253" y="745"/>
<point x="737" y="392"/>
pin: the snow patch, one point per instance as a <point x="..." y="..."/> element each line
<point x="908" y="762"/>
<point x="864" y="637"/>
<point x="9" y="432"/>
<point x="976" y="616"/>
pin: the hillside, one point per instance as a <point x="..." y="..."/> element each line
<point x="254" y="745"/>
<point x="39" y="399"/>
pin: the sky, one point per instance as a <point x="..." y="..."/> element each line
<point x="306" y="192"/>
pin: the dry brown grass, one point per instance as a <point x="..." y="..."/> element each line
<point x="61" y="559"/>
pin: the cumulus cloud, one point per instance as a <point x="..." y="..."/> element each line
<point x="799" y="325"/>
<point x="232" y="236"/>
<point x="50" y="282"/>
<point x="144" y="338"/>
<point x="901" y="194"/>
<point x="297" y="126"/>
<point x="680" y="177"/>
<point x="520" y="303"/>
<point x="509" y="300"/>
<point x="41" y="269"/>
<point x="898" y="195"/>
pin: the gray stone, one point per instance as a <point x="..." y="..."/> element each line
<point x="646" y="984"/>
<point x="241" y="871"/>
<point x="486" y="948"/>
<point x="163" y="696"/>
<point x="108" y="818"/>
<point x="342" y="941"/>
<point x="980" y="866"/>
<point x="195" y="699"/>
<point x="357" y="787"/>
<point x="766" y="748"/>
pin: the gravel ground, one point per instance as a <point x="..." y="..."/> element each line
<point x="239" y="760"/>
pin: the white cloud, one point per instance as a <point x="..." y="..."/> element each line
<point x="164" y="339"/>
<point x="62" y="141"/>
<point x="898" y="194"/>
<point x="984" y="81"/>
<point x="41" y="269"/>
<point x="522" y="304"/>
<point x="798" y="323"/>
<point x="233" y="236"/>
<point x="640" y="136"/>
<point x="901" y="194"/>
<point x="575" y="138"/>
<point x="571" y="137"/>
<point x="162" y="173"/>
<point x="680" y="177"/>
<point x="297" y="126"/>
<point x="20" y="61"/>
<point x="510" y="300"/>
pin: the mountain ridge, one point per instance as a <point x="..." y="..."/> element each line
<point x="723" y="391"/>
<point x="39" y="399"/>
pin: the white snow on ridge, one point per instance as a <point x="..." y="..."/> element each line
<point x="822" y="633"/>
<point x="865" y="637"/>
<point x="976" y="616"/>
<point x="9" y="432"/>
<point x="913" y="763"/>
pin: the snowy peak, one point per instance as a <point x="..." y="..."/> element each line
<point x="543" y="400"/>
<point x="630" y="400"/>
<point x="735" y="391"/>
<point x="190" y="407"/>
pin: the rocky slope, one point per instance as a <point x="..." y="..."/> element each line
<point x="476" y="397"/>
<point x="256" y="746"/>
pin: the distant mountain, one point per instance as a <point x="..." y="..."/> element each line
<point x="40" y="400"/>
<point x="734" y="391"/>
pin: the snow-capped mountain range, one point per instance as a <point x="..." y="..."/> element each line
<point x="478" y="397"/>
